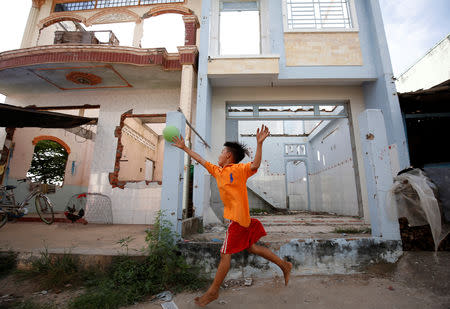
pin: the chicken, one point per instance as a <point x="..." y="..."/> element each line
<point x="70" y="214"/>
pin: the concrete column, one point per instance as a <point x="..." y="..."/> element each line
<point x="31" y="24"/>
<point x="138" y="33"/>
<point x="172" y="183"/>
<point x="186" y="92"/>
<point x="203" y="114"/>
<point x="186" y="98"/>
<point x="378" y="173"/>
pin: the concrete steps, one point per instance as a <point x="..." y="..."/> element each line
<point x="265" y="196"/>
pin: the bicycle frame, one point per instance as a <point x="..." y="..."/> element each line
<point x="11" y="195"/>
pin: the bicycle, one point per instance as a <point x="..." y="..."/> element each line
<point x="10" y="208"/>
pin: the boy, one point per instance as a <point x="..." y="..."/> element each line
<point x="243" y="231"/>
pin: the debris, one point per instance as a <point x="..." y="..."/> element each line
<point x="222" y="302"/>
<point x="68" y="285"/>
<point x="248" y="281"/>
<point x="169" y="305"/>
<point x="216" y="240"/>
<point x="165" y="296"/>
<point x="390" y="288"/>
<point x="44" y="292"/>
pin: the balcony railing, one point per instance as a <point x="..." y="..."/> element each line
<point x="86" y="37"/>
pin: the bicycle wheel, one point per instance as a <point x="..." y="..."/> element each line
<point x="3" y="218"/>
<point x="44" y="208"/>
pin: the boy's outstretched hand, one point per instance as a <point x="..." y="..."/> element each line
<point x="178" y="142"/>
<point x="261" y="134"/>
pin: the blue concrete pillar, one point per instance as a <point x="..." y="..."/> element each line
<point x="203" y="114"/>
<point x="172" y="182"/>
<point x="378" y="173"/>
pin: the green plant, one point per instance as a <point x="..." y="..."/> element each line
<point x="55" y="271"/>
<point x="124" y="242"/>
<point x="7" y="262"/>
<point x="351" y="230"/>
<point x="257" y="211"/>
<point x="130" y="279"/>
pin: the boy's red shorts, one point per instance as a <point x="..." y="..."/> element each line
<point x="239" y="238"/>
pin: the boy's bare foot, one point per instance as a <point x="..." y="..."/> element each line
<point x="206" y="298"/>
<point x="287" y="271"/>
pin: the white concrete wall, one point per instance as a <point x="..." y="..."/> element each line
<point x="271" y="176"/>
<point x="331" y="174"/>
<point x="137" y="203"/>
<point x="431" y="70"/>
<point x="222" y="95"/>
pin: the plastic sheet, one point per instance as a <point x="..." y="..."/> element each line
<point x="415" y="197"/>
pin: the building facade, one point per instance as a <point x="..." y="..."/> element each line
<point x="316" y="72"/>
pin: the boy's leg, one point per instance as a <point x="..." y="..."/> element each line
<point x="213" y="291"/>
<point x="269" y="255"/>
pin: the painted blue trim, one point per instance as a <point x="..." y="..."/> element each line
<point x="203" y="111"/>
<point x="365" y="72"/>
<point x="382" y="94"/>
<point x="173" y="167"/>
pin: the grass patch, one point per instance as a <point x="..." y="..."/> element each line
<point x="8" y="263"/>
<point x="257" y="211"/>
<point x="351" y="230"/>
<point x="130" y="280"/>
<point x="55" y="271"/>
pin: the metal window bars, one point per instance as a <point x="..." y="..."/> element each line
<point x="318" y="14"/>
<point x="99" y="4"/>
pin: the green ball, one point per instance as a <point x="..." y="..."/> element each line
<point x="170" y="132"/>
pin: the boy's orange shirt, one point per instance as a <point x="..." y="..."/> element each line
<point x="232" y="184"/>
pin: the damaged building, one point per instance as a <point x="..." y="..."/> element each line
<point x="317" y="73"/>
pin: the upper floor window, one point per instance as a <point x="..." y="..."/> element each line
<point x="239" y="28"/>
<point x="318" y="14"/>
<point x="62" y="6"/>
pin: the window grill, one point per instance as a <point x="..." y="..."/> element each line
<point x="318" y="14"/>
<point x="100" y="4"/>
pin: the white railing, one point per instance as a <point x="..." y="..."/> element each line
<point x="318" y="14"/>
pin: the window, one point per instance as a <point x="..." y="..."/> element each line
<point x="239" y="28"/>
<point x="99" y="4"/>
<point x="166" y="30"/>
<point x="318" y="14"/>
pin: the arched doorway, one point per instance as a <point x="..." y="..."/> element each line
<point x="48" y="164"/>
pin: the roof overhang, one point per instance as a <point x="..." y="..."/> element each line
<point x="80" y="67"/>
<point x="19" y="117"/>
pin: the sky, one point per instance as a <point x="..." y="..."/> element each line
<point x="412" y="27"/>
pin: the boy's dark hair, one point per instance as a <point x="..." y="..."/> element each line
<point x="238" y="150"/>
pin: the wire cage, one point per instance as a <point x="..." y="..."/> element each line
<point x="97" y="207"/>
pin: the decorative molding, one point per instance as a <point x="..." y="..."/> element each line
<point x="113" y="15"/>
<point x="51" y="138"/>
<point x="164" y="9"/>
<point x="82" y="78"/>
<point x="37" y="3"/>
<point x="191" y="19"/>
<point x="140" y="139"/>
<point x="65" y="53"/>
<point x="60" y="16"/>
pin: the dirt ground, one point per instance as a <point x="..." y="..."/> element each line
<point x="418" y="280"/>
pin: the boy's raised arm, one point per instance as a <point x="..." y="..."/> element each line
<point x="261" y="135"/>
<point x="179" y="142"/>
